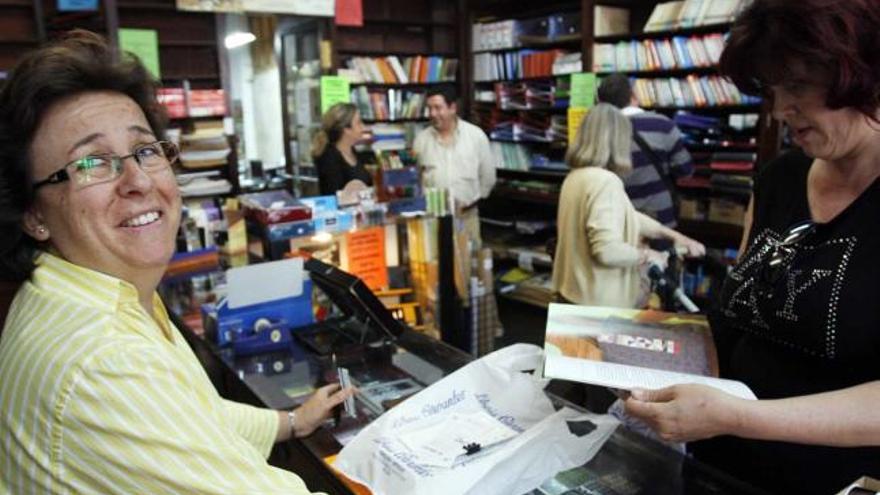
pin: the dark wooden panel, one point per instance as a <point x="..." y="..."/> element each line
<point x="184" y="62"/>
<point x="172" y="26"/>
<point x="17" y="24"/>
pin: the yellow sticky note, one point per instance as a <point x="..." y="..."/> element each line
<point x="575" y="117"/>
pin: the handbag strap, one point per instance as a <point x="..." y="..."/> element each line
<point x="653" y="157"/>
<point x="655" y="160"/>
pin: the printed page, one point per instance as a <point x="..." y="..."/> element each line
<point x="629" y="348"/>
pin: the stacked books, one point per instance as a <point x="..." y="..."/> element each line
<point x="181" y="103"/>
<point x="681" y="14"/>
<point x="205" y="147"/>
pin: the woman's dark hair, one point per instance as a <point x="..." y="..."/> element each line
<point x="80" y="62"/>
<point x="834" y="44"/>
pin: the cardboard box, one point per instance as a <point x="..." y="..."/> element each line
<point x="270" y="207"/>
<point x="232" y="324"/>
<point x="726" y="211"/>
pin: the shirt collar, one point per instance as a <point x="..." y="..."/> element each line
<point x="631" y="110"/>
<point x="82" y="285"/>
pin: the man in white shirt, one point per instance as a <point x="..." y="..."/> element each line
<point x="455" y="155"/>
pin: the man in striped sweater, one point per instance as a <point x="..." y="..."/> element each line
<point x="645" y="187"/>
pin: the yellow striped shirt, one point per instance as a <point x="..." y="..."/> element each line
<point x="97" y="397"/>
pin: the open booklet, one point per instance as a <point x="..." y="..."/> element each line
<point x="630" y="348"/>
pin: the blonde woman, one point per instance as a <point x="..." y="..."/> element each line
<point x="333" y="149"/>
<point x="599" y="252"/>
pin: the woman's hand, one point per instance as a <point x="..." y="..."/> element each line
<point x="689" y="247"/>
<point x="683" y="413"/>
<point x="659" y="258"/>
<point x="318" y="408"/>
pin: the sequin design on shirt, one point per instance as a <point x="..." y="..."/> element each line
<point x="804" y="300"/>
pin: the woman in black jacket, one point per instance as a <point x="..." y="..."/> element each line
<point x="333" y="149"/>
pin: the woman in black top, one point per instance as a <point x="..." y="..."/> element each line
<point x="798" y="319"/>
<point x="333" y="149"/>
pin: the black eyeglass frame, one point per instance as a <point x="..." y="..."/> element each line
<point x="62" y="175"/>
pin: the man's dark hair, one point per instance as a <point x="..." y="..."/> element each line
<point x="449" y="94"/>
<point x="78" y="63"/>
<point x="615" y="89"/>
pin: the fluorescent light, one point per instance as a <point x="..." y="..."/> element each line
<point x="237" y="39"/>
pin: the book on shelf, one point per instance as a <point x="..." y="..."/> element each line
<point x="664" y="16"/>
<point x="630" y="348"/>
<point x="610" y="21"/>
<point x="684" y="14"/>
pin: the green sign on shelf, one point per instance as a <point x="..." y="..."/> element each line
<point x="144" y="44"/>
<point x="334" y="89"/>
<point x="583" y="89"/>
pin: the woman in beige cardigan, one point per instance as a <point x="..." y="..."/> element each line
<point x="599" y="250"/>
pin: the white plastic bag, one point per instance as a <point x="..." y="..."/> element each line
<point x="386" y="458"/>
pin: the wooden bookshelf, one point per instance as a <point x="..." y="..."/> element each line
<point x="664" y="72"/>
<point x="548" y="175"/>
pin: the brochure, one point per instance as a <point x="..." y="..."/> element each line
<point x="631" y="348"/>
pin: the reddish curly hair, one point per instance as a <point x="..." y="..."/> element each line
<point x="834" y="44"/>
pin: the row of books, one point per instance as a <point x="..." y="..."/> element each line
<point x="518" y="64"/>
<point x="389" y="104"/>
<point x="394" y="158"/>
<point x="680" y="14"/>
<point x="511" y="156"/>
<point x="514" y="33"/>
<point x="181" y="103"/>
<point x="522" y="157"/>
<point x="389" y="70"/>
<point x="691" y="91"/>
<point x="678" y="52"/>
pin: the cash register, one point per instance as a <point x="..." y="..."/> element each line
<point x="366" y="324"/>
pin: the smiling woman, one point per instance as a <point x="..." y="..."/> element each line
<point x="100" y="392"/>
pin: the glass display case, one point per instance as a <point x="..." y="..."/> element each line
<point x="299" y="44"/>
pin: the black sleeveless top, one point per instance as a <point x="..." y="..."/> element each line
<point x="810" y="325"/>
<point x="334" y="172"/>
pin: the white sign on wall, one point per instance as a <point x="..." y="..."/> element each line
<point x="322" y="8"/>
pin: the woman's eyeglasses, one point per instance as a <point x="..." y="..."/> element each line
<point x="780" y="259"/>
<point x="96" y="169"/>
